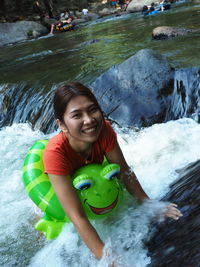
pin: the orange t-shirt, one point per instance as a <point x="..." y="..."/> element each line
<point x="60" y="159"/>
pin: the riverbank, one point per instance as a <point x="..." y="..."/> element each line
<point x="29" y="73"/>
<point x="35" y="26"/>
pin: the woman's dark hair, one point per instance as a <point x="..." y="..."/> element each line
<point x="65" y="92"/>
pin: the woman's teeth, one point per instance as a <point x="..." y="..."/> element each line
<point x="89" y="130"/>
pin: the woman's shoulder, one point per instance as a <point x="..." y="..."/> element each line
<point x="107" y="136"/>
<point x="57" y="142"/>
<point x="107" y="129"/>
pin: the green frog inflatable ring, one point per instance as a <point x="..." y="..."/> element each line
<point x="97" y="187"/>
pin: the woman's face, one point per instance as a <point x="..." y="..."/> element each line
<point x="82" y="120"/>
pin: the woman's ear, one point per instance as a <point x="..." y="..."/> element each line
<point x="61" y="126"/>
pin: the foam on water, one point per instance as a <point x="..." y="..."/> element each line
<point x="154" y="153"/>
<point x="36" y="55"/>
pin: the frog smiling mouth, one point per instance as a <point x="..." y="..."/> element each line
<point x="100" y="211"/>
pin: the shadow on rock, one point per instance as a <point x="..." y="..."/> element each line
<point x="177" y="243"/>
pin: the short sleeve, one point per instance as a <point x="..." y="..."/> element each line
<point x="54" y="156"/>
<point x="55" y="163"/>
<point x="110" y="138"/>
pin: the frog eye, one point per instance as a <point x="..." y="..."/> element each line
<point x="83" y="182"/>
<point x="110" y="171"/>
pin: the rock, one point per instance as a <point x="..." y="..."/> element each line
<point x="19" y="31"/>
<point x="185" y="100"/>
<point x="79" y="21"/>
<point x="36" y="34"/>
<point x="136" y="91"/>
<point x="177" y="243"/>
<point x="49" y="21"/>
<point x="165" y="32"/>
<point x="107" y="11"/>
<point x="137" y="5"/>
<point x="92" y="16"/>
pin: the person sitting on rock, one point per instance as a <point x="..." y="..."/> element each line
<point x="145" y="10"/>
<point x="59" y="24"/>
<point x="113" y="3"/>
<point x="152" y="8"/>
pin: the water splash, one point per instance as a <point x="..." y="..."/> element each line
<point x="155" y="153"/>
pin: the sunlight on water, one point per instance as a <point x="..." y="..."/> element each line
<point x="155" y="153"/>
<point x="93" y="48"/>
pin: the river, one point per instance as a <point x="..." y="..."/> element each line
<point x="155" y="153"/>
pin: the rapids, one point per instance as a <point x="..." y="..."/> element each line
<point x="155" y="153"/>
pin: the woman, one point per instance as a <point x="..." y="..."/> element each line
<point x="85" y="137"/>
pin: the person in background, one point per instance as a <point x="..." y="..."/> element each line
<point x="161" y="5"/>
<point x="61" y="23"/>
<point x="85" y="11"/>
<point x="127" y="2"/>
<point x="114" y="3"/>
<point x="64" y="15"/>
<point x="39" y="9"/>
<point x="152" y="7"/>
<point x="121" y="4"/>
<point x="145" y="10"/>
<point x="85" y="138"/>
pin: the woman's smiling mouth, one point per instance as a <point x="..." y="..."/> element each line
<point x="90" y="130"/>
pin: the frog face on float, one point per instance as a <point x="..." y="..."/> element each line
<point x="98" y="189"/>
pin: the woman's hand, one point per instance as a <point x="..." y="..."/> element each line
<point x="171" y="211"/>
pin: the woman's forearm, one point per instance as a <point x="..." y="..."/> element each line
<point x="73" y="208"/>
<point x="89" y="235"/>
<point x="133" y="186"/>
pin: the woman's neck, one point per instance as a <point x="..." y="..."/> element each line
<point x="80" y="147"/>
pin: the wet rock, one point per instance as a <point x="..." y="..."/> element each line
<point x="137" y="5"/>
<point x="48" y="22"/>
<point x="19" y="31"/>
<point x="136" y="92"/>
<point x="185" y="100"/>
<point x="89" y="16"/>
<point x="141" y="91"/>
<point x="79" y="21"/>
<point x="176" y="243"/>
<point x="165" y="32"/>
<point x="36" y="34"/>
<point x="107" y="11"/>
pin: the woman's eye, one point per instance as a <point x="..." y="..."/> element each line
<point x="93" y="110"/>
<point x="76" y="116"/>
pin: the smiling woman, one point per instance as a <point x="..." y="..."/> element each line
<point x="85" y="137"/>
<point x="96" y="185"/>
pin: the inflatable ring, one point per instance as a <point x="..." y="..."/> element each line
<point x="97" y="187"/>
<point x="65" y="27"/>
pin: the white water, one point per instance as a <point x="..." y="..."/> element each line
<point x="155" y="154"/>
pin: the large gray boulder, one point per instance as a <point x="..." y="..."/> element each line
<point x="19" y="31"/>
<point x="137" y="5"/>
<point x="165" y="32"/>
<point x="136" y="92"/>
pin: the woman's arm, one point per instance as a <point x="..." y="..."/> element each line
<point x="127" y="175"/>
<point x="73" y="208"/>
<point x="132" y="184"/>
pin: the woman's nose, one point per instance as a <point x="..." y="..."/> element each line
<point x="88" y="118"/>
